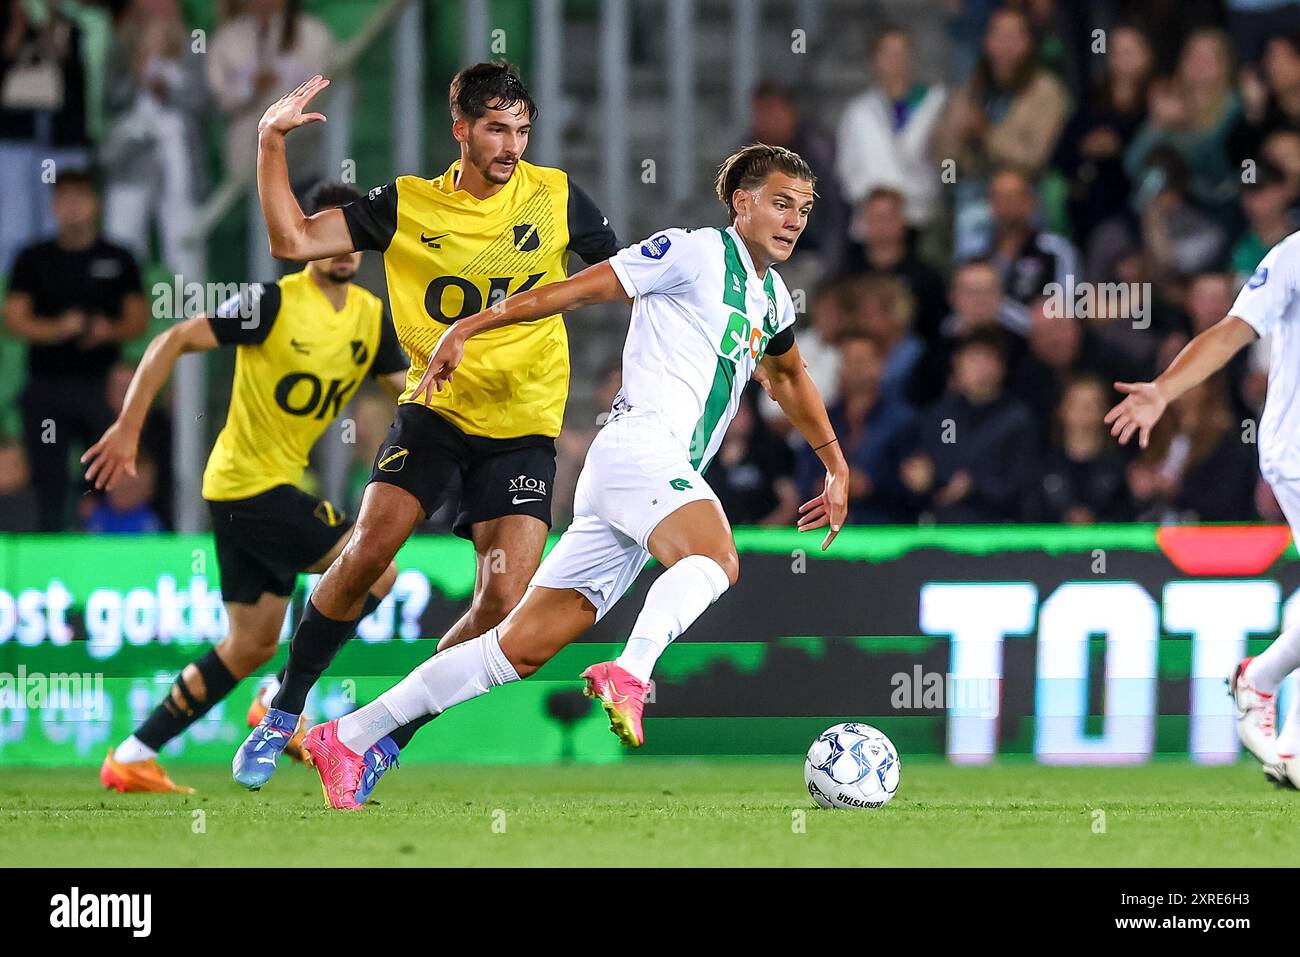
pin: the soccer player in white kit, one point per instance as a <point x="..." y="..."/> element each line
<point x="708" y="310"/>
<point x="1268" y="305"/>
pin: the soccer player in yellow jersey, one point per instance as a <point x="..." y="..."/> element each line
<point x="487" y="228"/>
<point x="303" y="345"/>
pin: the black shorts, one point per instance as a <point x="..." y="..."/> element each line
<point x="263" y="542"/>
<point x="426" y="455"/>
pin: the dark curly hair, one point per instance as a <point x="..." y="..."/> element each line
<point x="488" y="86"/>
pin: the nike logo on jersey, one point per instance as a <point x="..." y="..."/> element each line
<point x="520" y="501"/>
<point x="432" y="241"/>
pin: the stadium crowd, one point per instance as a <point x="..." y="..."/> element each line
<point x="990" y="249"/>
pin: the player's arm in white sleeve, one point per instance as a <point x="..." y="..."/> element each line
<point x="1260" y="305"/>
<point x="664" y="263"/>
<point x="796" y="393"/>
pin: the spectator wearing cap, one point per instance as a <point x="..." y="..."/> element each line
<point x="886" y="132"/>
<point x="1253" y="24"/>
<point x="976" y="451"/>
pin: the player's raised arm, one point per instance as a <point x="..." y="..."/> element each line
<point x="594" y="284"/>
<point x="796" y="393"/>
<point x="293" y="235"/>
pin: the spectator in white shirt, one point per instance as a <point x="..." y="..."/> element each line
<point x="269" y="47"/>
<point x="885" y="133"/>
<point x="153" y="153"/>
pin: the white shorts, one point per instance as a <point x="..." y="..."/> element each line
<point x="637" y="473"/>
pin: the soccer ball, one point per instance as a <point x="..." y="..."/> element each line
<point x="852" y="765"/>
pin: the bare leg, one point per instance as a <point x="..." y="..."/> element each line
<point x="546" y="620"/>
<point x="508" y="551"/>
<point x="388" y="516"/>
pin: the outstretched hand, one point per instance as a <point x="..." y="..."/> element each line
<point x="112" y="457"/>
<point x="446" y="357"/>
<point x="286" y="113"/>
<point x="1138" y="412"/>
<point x="831" y="508"/>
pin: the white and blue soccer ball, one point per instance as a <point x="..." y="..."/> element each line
<point x="852" y="765"/>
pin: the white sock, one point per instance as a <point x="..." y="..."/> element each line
<point x="675" y="600"/>
<point x="267" y="692"/>
<point x="1269" y="667"/>
<point x="1288" y="739"/>
<point x="133" y="749"/>
<point x="457" y="674"/>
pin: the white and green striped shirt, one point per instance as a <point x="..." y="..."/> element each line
<point x="702" y="319"/>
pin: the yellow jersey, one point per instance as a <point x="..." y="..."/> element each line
<point x="297" y="362"/>
<point x="448" y="255"/>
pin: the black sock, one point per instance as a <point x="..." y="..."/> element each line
<point x="370" y="604"/>
<point x="314" y="645"/>
<point x="403" y="735"/>
<point x="169" y="719"/>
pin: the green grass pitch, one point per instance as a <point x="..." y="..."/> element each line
<point x="660" y="812"/>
